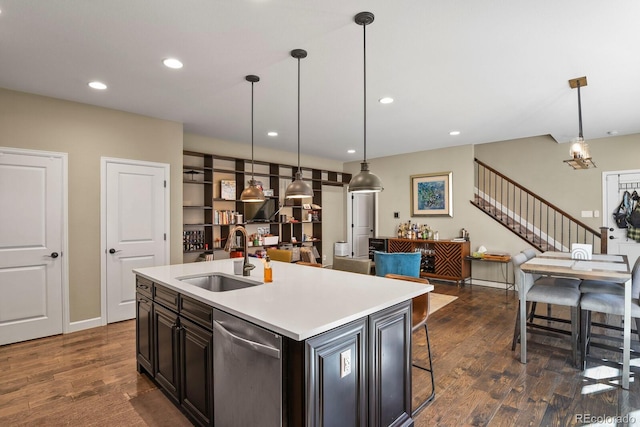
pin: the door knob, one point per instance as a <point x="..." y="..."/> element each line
<point x="113" y="251"/>
<point x="611" y="237"/>
<point x="53" y="255"/>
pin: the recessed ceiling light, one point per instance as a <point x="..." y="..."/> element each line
<point x="172" y="63"/>
<point x="272" y="133"/>
<point x="97" y="85"/>
<point x="351" y="151"/>
<point x="385" y="100"/>
<point x="454" y="132"/>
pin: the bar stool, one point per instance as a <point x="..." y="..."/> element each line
<point x="548" y="290"/>
<point x="608" y="303"/>
<point x="419" y="317"/>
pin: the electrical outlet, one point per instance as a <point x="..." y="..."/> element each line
<point x="596" y="214"/>
<point x="345" y="363"/>
<point x="324" y="258"/>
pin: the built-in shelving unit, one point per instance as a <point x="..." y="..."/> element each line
<point x="208" y="217"/>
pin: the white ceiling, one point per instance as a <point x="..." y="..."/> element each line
<point x="494" y="70"/>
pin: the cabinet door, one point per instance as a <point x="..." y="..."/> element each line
<point x="390" y="366"/>
<point x="144" y="333"/>
<point x="196" y="352"/>
<point x="165" y="324"/>
<point x="335" y="399"/>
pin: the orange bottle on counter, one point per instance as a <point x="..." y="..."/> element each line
<point x="268" y="272"/>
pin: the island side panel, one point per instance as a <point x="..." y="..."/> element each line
<point x="390" y="366"/>
<point x="335" y="399"/>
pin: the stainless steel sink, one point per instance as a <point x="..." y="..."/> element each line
<point x="220" y="282"/>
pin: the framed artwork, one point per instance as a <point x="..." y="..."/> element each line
<point x="227" y="189"/>
<point x="431" y="194"/>
<point x="268" y="192"/>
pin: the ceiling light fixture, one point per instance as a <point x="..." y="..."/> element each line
<point x="272" y="133"/>
<point x="252" y="193"/>
<point x="454" y="132"/>
<point x="298" y="188"/>
<point x="172" y="63"/>
<point x="365" y="181"/>
<point x="351" y="151"/>
<point x="385" y="100"/>
<point x="97" y="85"/>
<point x="579" y="152"/>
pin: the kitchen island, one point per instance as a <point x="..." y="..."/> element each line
<point x="314" y="347"/>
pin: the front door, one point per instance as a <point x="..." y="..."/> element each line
<point x="31" y="244"/>
<point x="615" y="184"/>
<point x="136" y="228"/>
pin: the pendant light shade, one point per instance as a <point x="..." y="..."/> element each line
<point x="298" y="189"/>
<point x="365" y="181"/>
<point x="579" y="151"/>
<point x="252" y="193"/>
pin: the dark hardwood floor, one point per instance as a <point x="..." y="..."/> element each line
<point x="89" y="378"/>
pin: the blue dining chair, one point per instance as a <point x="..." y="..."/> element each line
<point x="403" y="263"/>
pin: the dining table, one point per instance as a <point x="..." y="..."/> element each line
<point x="606" y="267"/>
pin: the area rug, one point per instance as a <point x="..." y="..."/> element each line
<point x="437" y="301"/>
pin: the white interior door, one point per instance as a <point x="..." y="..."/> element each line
<point x="31" y="245"/>
<point x="362" y="223"/>
<point x="136" y="230"/>
<point x="614" y="184"/>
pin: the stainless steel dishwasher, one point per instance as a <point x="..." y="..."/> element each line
<point x="247" y="373"/>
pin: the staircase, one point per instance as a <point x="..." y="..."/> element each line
<point x="529" y="216"/>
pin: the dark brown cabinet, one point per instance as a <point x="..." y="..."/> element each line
<point x="166" y="370"/>
<point x="144" y="325"/>
<point x="442" y="259"/>
<point x="174" y="345"/>
<point x="176" y="342"/>
<point x="196" y="354"/>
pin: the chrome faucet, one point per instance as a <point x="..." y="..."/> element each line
<point x="246" y="266"/>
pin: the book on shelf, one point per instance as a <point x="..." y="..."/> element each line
<point x="224" y="217"/>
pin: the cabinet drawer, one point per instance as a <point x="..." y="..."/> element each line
<point x="196" y="311"/>
<point x="166" y="297"/>
<point x="144" y="286"/>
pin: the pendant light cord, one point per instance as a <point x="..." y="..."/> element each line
<point x="579" y="112"/>
<point x="364" y="48"/>
<point x="298" y="114"/>
<point x="252" y="177"/>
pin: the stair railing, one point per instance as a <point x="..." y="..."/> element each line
<point x="531" y="217"/>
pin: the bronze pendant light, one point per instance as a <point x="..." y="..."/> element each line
<point x="252" y="193"/>
<point x="298" y="189"/>
<point x="579" y="151"/>
<point x="365" y="181"/>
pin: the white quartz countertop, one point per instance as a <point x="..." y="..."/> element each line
<point x="300" y="303"/>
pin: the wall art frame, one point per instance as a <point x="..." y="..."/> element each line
<point x="432" y="194"/>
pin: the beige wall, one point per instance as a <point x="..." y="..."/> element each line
<point x="333" y="198"/>
<point x="87" y="133"/>
<point x="535" y="163"/>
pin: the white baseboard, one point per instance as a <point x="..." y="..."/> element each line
<point x="83" y="324"/>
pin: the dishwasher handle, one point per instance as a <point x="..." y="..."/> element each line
<point x="242" y="342"/>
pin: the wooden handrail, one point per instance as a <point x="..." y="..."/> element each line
<point x="557" y="209"/>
